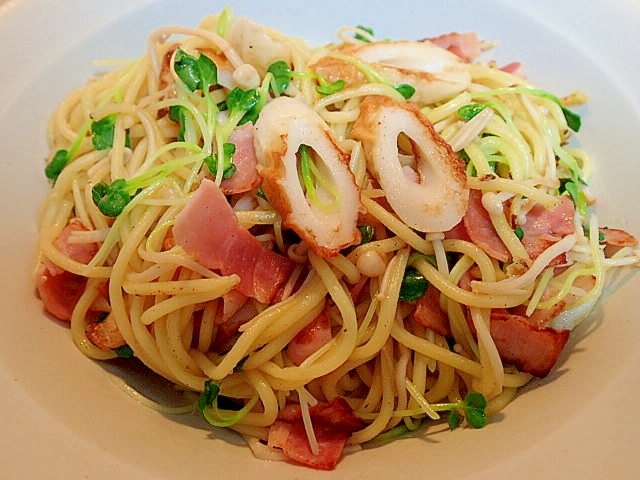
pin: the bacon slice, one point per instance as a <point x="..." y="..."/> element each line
<point x="459" y="232"/>
<point x="465" y="46"/>
<point x="481" y="230"/>
<point x="232" y="302"/>
<point x="310" y="339"/>
<point x="615" y="239"/>
<point x="514" y="68"/>
<point x="618" y="238"/>
<point x="539" y="317"/>
<point x="60" y="292"/>
<point x="531" y="348"/>
<point x="208" y="229"/>
<point x="58" y="289"/>
<point x="296" y="446"/>
<point x="246" y="176"/>
<point x="80" y="252"/>
<point x="429" y="313"/>
<point x="544" y="227"/>
<point x="236" y="311"/>
<point x="165" y="76"/>
<point x="333" y="424"/>
<point x="337" y="413"/>
<point x="525" y="342"/>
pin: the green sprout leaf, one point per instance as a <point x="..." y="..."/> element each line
<point x="476" y="418"/>
<point x="414" y="285"/>
<point x="196" y="73"/>
<point x="102" y="132"/>
<point x="111" y="198"/>
<point x="467" y="112"/>
<point x="281" y="74"/>
<point x="366" y="233"/>
<point x="222" y="106"/>
<point x="242" y="100"/>
<point x="464" y="156"/>
<point x="329" y="88"/>
<point x="475" y="404"/>
<point x="362" y="37"/>
<point x="177" y="113"/>
<point x="186" y="68"/>
<point x="602" y="238"/>
<point x="243" y="104"/>
<point x="473" y="407"/>
<point x="519" y="233"/>
<point x="454" y="420"/>
<point x="576" y="194"/>
<point x="574" y="122"/>
<point x="216" y="416"/>
<point x="208" y="73"/>
<point x="209" y="395"/>
<point x="55" y="166"/>
<point x="99" y="191"/>
<point x="124" y="351"/>
<point x="475" y="401"/>
<point x="405" y="90"/>
<point x="240" y="365"/>
<point x="229" y="168"/>
<point x="224" y="23"/>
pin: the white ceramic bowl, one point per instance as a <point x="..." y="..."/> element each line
<point x="62" y="416"/>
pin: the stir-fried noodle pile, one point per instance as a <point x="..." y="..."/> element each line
<point x="334" y="245"/>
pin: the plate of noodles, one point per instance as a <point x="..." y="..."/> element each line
<point x="319" y="240"/>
